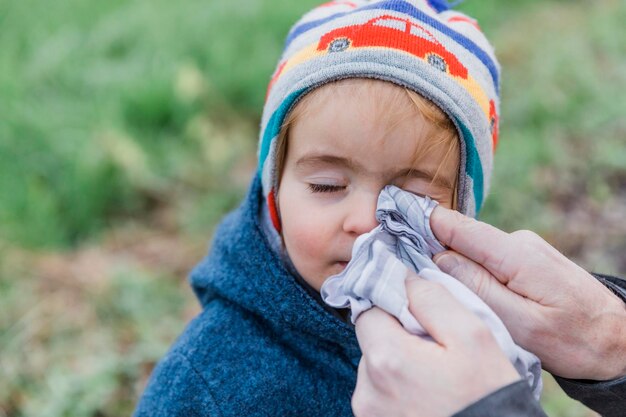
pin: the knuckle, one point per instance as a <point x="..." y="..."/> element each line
<point x="365" y="403"/>
<point x="359" y="404"/>
<point x="433" y="290"/>
<point x="425" y="290"/>
<point x="479" y="282"/>
<point x="527" y="237"/>
<point x="466" y="226"/>
<point x="480" y="335"/>
<point x="537" y="252"/>
<point x="383" y="367"/>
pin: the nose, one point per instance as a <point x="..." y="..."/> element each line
<point x="361" y="213"/>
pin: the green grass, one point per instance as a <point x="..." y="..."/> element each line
<point x="142" y="117"/>
<point x="100" y="107"/>
<point x="73" y="347"/>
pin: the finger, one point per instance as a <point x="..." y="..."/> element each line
<point x="447" y="321"/>
<point x="507" y="304"/>
<point x="462" y="234"/>
<point x="377" y="328"/>
<point x="471" y="274"/>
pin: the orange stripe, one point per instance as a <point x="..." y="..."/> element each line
<point x="466" y="20"/>
<point x="271" y="204"/>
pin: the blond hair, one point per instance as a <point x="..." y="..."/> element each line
<point x="440" y="129"/>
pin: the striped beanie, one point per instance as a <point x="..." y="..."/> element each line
<point x="422" y="45"/>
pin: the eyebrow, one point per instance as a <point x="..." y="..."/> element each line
<point x="313" y="160"/>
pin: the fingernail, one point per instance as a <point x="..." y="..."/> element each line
<point x="440" y="219"/>
<point x="447" y="263"/>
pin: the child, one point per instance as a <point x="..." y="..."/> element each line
<point x="366" y="94"/>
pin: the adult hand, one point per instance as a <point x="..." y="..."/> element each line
<point x="551" y="306"/>
<point x="462" y="365"/>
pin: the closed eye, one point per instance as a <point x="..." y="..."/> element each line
<point x="325" y="188"/>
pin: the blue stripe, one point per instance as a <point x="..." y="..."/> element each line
<point x="409" y="9"/>
<point x="473" y="167"/>
<point x="273" y="126"/>
<point x="439" y="5"/>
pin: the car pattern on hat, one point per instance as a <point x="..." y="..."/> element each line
<point x="394" y="32"/>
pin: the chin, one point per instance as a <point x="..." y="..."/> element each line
<point x="318" y="279"/>
<point x="337" y="268"/>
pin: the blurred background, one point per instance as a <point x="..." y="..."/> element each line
<point x="128" y="128"/>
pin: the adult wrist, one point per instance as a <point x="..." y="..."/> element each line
<point x="611" y="357"/>
<point x="614" y="348"/>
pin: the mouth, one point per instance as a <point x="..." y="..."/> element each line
<point x="343" y="264"/>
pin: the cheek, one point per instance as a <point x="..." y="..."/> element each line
<point x="310" y="233"/>
<point x="306" y="231"/>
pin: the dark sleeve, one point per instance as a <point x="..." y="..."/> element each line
<point x="176" y="389"/>
<point x="513" y="400"/>
<point x="605" y="397"/>
<point x="615" y="284"/>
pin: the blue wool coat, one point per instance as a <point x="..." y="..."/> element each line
<point x="262" y="346"/>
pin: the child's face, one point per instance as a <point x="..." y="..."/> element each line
<point x="339" y="157"/>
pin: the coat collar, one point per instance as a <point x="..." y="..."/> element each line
<point x="242" y="269"/>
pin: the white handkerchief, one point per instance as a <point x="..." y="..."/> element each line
<point x="381" y="260"/>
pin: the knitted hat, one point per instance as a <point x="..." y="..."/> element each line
<point x="422" y="45"/>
